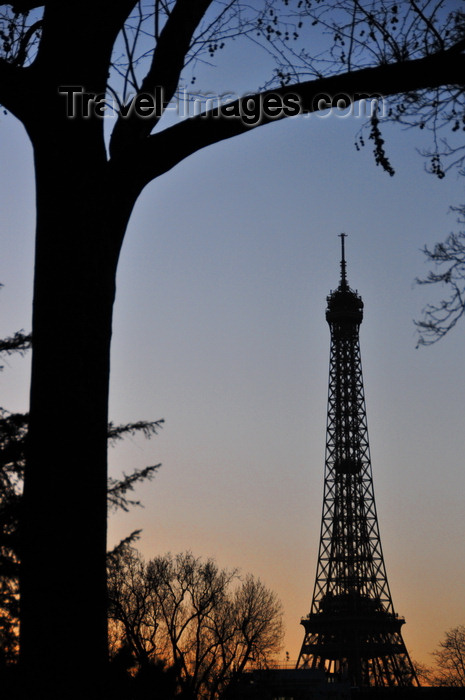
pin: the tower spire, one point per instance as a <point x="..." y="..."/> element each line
<point x="352" y="630"/>
<point x="343" y="284"/>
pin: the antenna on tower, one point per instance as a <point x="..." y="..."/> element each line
<point x="343" y="284"/>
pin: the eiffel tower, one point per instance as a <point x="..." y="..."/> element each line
<point x="352" y="630"/>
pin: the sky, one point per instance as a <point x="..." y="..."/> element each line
<point x="219" y="329"/>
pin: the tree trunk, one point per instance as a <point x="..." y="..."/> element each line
<point x="81" y="219"/>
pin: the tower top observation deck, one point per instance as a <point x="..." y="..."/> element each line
<point x="345" y="306"/>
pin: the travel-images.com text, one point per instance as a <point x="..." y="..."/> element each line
<point x="250" y="109"/>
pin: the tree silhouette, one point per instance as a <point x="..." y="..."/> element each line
<point x="204" y="623"/>
<point x="62" y="61"/>
<point x="13" y="435"/>
<point x="450" y="659"/>
<point x="449" y="272"/>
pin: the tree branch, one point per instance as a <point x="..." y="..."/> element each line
<point x="117" y="489"/>
<point x="19" y="342"/>
<point x="440" y="318"/>
<point x="14" y="94"/>
<point x="117" y="432"/>
<point x="167" y="63"/>
<point x="65" y="25"/>
<point x="160" y="152"/>
<point x="25" y="5"/>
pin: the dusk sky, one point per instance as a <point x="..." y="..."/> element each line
<point x="220" y="329"/>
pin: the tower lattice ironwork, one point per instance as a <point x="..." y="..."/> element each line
<point x="352" y="629"/>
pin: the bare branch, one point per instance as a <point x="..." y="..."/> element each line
<point x="167" y="63"/>
<point x="162" y="151"/>
<point x="26" y="5"/>
<point x="449" y="259"/>
<point x="450" y="659"/>
<point x="13" y="88"/>
<point x="204" y="621"/>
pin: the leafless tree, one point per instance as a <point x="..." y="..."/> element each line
<point x="131" y="605"/>
<point x="205" y="622"/>
<point x="450" y="659"/>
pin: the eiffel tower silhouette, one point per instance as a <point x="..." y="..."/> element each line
<point x="352" y="630"/>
